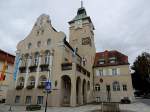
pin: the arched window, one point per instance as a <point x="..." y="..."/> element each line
<point x="31" y="81"/>
<point x="21" y="81"/>
<point x="47" y="57"/>
<point x="97" y="87"/>
<point x="39" y="44"/>
<point x="36" y="58"/>
<point x="116" y="86"/>
<point x="26" y="59"/>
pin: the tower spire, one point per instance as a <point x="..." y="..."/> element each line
<point x="81" y="3"/>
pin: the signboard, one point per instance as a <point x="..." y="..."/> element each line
<point x="48" y="86"/>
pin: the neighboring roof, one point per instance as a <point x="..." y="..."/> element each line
<point x="121" y="59"/>
<point x="5" y="56"/>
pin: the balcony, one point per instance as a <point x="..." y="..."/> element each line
<point x="22" y="69"/>
<point x="82" y="70"/>
<point x="44" y="67"/>
<point x="19" y="87"/>
<point x="66" y="66"/>
<point x="33" y="68"/>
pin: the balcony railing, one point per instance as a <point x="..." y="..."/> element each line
<point x="44" y="67"/>
<point x="82" y="70"/>
<point x="22" y="69"/>
<point x="33" y="68"/>
<point x="66" y="66"/>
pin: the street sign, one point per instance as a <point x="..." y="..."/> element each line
<point x="48" y="86"/>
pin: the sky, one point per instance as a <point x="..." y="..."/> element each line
<point x="122" y="25"/>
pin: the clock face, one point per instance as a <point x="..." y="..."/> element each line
<point x="78" y="24"/>
<point x="86" y="41"/>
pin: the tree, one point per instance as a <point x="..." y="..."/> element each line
<point x="141" y="75"/>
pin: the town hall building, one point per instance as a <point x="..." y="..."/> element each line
<point x="71" y="66"/>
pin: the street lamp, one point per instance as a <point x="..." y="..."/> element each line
<point x="48" y="89"/>
<point x="48" y="83"/>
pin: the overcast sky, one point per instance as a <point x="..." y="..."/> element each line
<point x="122" y="25"/>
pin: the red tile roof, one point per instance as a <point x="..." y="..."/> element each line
<point x="121" y="59"/>
<point x="7" y="56"/>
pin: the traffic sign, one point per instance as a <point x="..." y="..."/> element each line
<point x="48" y="86"/>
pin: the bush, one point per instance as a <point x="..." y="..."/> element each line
<point x="33" y="107"/>
<point x="19" y="87"/>
<point x="30" y="86"/>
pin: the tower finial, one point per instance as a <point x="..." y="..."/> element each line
<point x="81" y="3"/>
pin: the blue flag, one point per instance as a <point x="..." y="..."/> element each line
<point x="17" y="62"/>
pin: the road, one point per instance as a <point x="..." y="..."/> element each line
<point x="140" y="105"/>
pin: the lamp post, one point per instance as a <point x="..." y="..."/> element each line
<point x="48" y="89"/>
<point x="48" y="83"/>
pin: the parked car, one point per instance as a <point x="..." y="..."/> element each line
<point x="125" y="100"/>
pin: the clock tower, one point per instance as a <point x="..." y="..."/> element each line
<point x="81" y="37"/>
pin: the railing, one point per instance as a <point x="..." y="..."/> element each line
<point x="66" y="66"/>
<point x="33" y="68"/>
<point x="44" y="67"/>
<point x="82" y="70"/>
<point x="79" y="68"/>
<point x="22" y="69"/>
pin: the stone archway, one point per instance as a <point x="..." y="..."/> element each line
<point x="84" y="92"/>
<point x="66" y="90"/>
<point x="78" y="91"/>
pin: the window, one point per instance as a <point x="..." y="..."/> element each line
<point x="116" y="86"/>
<point x="38" y="33"/>
<point x="39" y="44"/>
<point x="97" y="87"/>
<point x="40" y="100"/>
<point x="101" y="61"/>
<point x="36" y="59"/>
<point x="98" y="99"/>
<point x="124" y="87"/>
<point x="101" y="72"/>
<point x="42" y="31"/>
<point x="47" y="57"/>
<point x="49" y="42"/>
<point x="114" y="71"/>
<point x="112" y="59"/>
<point x="28" y="99"/>
<point x="29" y="46"/>
<point x="17" y="99"/>
<point x="32" y="82"/>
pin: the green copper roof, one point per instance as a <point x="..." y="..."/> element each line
<point x="81" y="13"/>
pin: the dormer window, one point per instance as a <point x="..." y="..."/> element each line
<point x="112" y="59"/>
<point x="101" y="61"/>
